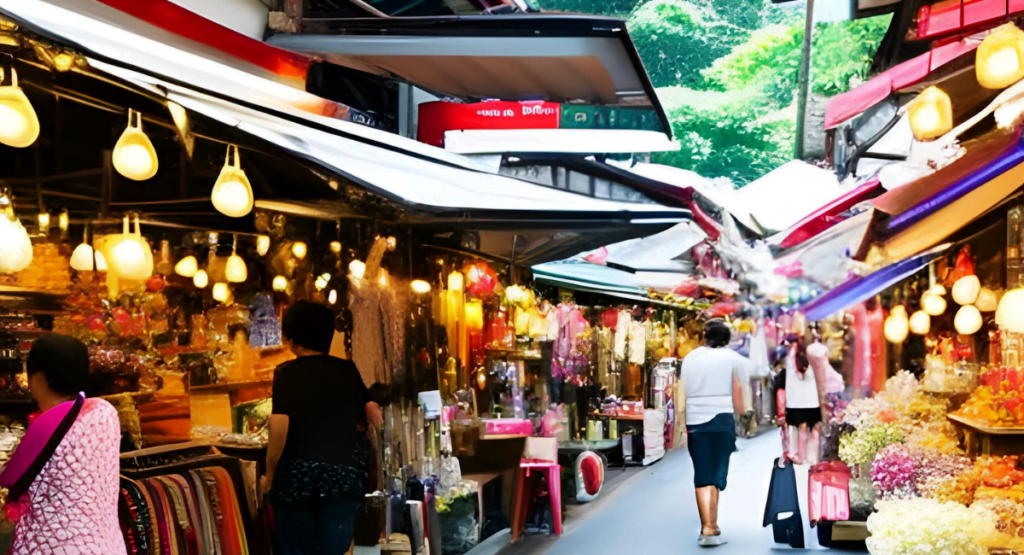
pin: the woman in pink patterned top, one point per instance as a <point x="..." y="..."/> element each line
<point x="70" y="508"/>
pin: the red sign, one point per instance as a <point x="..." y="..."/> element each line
<point x="437" y="117"/>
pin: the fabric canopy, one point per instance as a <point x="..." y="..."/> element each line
<point x="860" y="289"/>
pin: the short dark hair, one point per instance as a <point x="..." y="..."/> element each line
<point x="309" y="325"/>
<point x="63" y="361"/>
<point x="717" y="334"/>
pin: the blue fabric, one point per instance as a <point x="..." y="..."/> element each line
<point x="315" y="526"/>
<point x="710" y="445"/>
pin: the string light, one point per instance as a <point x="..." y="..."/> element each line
<point x="280" y="284"/>
<point x="299" y="250"/>
<point x="134" y="156"/>
<point x="62" y="220"/>
<point x="232" y="193"/>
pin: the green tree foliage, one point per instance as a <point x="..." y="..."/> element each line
<point x="615" y="8"/>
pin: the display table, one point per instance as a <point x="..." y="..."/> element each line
<point x="980" y="439"/>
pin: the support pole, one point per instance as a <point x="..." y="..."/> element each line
<point x="804" y="82"/>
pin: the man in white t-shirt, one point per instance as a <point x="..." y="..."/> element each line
<point x="716" y="385"/>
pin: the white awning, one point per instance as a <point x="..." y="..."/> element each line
<point x="574" y="141"/>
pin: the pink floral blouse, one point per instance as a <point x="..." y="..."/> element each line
<point x="71" y="508"/>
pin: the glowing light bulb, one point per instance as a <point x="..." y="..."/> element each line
<point x="262" y="245"/>
<point x="931" y="114"/>
<point x="420" y="287"/>
<point x="101" y="262"/>
<point x="968" y="320"/>
<point x="481" y="379"/>
<point x="322" y="281"/>
<point x="455" y="281"/>
<point x="201" y="279"/>
<point x="187" y="267"/>
<point x="82" y="258"/>
<point x="280" y="284"/>
<point x="357" y="268"/>
<point x="44" y="222"/>
<point x="897" y="326"/>
<point x="232" y="194"/>
<point x="299" y="250"/>
<point x="19" y="125"/>
<point x="920" y="323"/>
<point x="336" y="247"/>
<point x="235" y="270"/>
<point x="62" y="220"/>
<point x="221" y="292"/>
<point x="998" y="61"/>
<point x="332" y="297"/>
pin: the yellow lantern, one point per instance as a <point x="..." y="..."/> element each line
<point x="920" y="323"/>
<point x="999" y="62"/>
<point x="968" y="320"/>
<point x="201" y="279"/>
<point x="897" y="327"/>
<point x="474" y="315"/>
<point x="455" y="281"/>
<point x="232" y="194"/>
<point x="299" y="250"/>
<point x="221" y="292"/>
<point x="134" y="156"/>
<point x="187" y="267"/>
<point x="19" y="125"/>
<point x="931" y="114"/>
<point x="420" y="287"/>
<point x="280" y="284"/>
<point x="130" y="257"/>
<point x="262" y="245"/>
<point x="234" y="269"/>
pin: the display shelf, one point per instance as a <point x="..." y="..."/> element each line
<point x="980" y="439"/>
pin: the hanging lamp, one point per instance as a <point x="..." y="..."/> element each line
<point x="83" y="258"/>
<point x="131" y="258"/>
<point x="299" y="250"/>
<point x="62" y="221"/>
<point x="187" y="267"/>
<point x="19" y="125"/>
<point x="201" y="279"/>
<point x="235" y="270"/>
<point x="15" y="245"/>
<point x="232" y="194"/>
<point x="222" y="293"/>
<point x="280" y="284"/>
<point x="134" y="156"/>
<point x="897" y="325"/>
<point x="999" y="61"/>
<point x="931" y="114"/>
<point x="420" y="287"/>
<point x="262" y="244"/>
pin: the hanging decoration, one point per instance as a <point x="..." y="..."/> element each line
<point x="262" y="245"/>
<point x="232" y="194"/>
<point x="83" y="258"/>
<point x="299" y="249"/>
<point x="19" y="125"/>
<point x="187" y="267"/>
<point x="999" y="61"/>
<point x="280" y="284"/>
<point x="897" y="326"/>
<point x="222" y="293"/>
<point x="201" y="279"/>
<point x="130" y="256"/>
<point x="933" y="302"/>
<point x="234" y="270"/>
<point x="968" y="320"/>
<point x="134" y="156"/>
<point x="931" y="114"/>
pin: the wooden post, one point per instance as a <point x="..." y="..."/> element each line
<point x="804" y="82"/>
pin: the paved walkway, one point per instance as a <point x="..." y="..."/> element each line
<point x="655" y="511"/>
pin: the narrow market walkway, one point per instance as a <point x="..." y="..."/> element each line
<point x="655" y="512"/>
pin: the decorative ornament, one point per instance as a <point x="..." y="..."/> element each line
<point x="968" y="320"/>
<point x="232" y="194"/>
<point x="19" y="125"/>
<point x="134" y="156"/>
<point x="897" y="326"/>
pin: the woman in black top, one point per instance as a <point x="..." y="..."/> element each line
<point x="317" y="453"/>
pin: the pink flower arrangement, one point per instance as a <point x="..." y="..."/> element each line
<point x="894" y="472"/>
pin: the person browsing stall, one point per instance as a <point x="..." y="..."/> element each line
<point x="317" y="451"/>
<point x="716" y="382"/>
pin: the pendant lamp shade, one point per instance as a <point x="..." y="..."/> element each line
<point x="968" y="320"/>
<point x="201" y="279"/>
<point x="280" y="284"/>
<point x="262" y="245"/>
<point x="221" y="292"/>
<point x="187" y="267"/>
<point x="920" y="323"/>
<point x="101" y="262"/>
<point x="134" y="156"/>
<point x="420" y="287"/>
<point x="15" y="246"/>
<point x="931" y="114"/>
<point x="1010" y="314"/>
<point x="897" y="325"/>
<point x="232" y="194"/>
<point x="299" y="249"/>
<point x="19" y="125"/>
<point x="130" y="257"/>
<point x="82" y="258"/>
<point x="235" y="270"/>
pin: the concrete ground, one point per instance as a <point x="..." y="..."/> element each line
<point x="654" y="511"/>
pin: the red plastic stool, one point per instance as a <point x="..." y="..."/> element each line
<point x="523" y="494"/>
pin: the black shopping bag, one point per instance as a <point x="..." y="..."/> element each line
<point x="782" y="511"/>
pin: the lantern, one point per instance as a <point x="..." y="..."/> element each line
<point x="234" y="269"/>
<point x="221" y="292"/>
<point x="299" y="250"/>
<point x="232" y="194"/>
<point x="1010" y="314"/>
<point x="514" y="294"/>
<point x="920" y="323"/>
<point x="357" y="268"/>
<point x="332" y="297"/>
<point x="481" y="280"/>
<point x="474" y="315"/>
<point x="999" y="61"/>
<point x="82" y="258"/>
<point x="336" y="247"/>
<point x="280" y="284"/>
<point x="897" y="327"/>
<point x="15" y="246"/>
<point x="968" y="320"/>
<point x="931" y="114"/>
<point x="262" y="245"/>
<point x="44" y="222"/>
<point x="19" y="126"/>
<point x="966" y="290"/>
<point x="420" y="287"/>
<point x="987" y="300"/>
<point x="130" y="256"/>
<point x="933" y="301"/>
<point x="455" y="281"/>
<point x="134" y="156"/>
<point x="62" y="220"/>
<point x="187" y="267"/>
<point x="101" y="262"/>
<point x="201" y="279"/>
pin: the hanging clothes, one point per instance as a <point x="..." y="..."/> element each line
<point x="567" y="360"/>
<point x="761" y="366"/>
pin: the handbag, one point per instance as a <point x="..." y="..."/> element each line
<point x="782" y="511"/>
